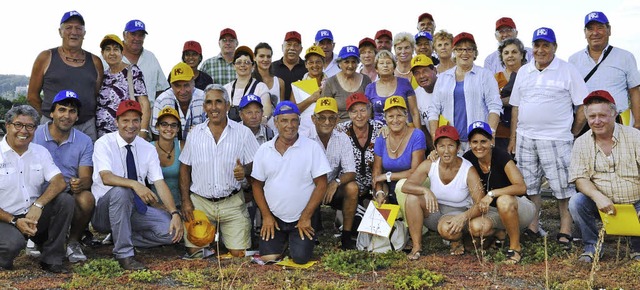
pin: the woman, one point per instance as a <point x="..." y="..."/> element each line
<point x="115" y="88"/>
<point x="451" y="204"/>
<point x="262" y="72"/>
<point x="244" y="85"/>
<point x="389" y="85"/>
<point x="367" y="47"/>
<point x="169" y="148"/>
<point x="347" y="81"/>
<point x="399" y="154"/>
<point x="314" y="62"/>
<point x="465" y="93"/>
<point x="505" y="188"/>
<point x="512" y="56"/>
<point x="442" y="45"/>
<point x="403" y="47"/>
<point x="192" y="55"/>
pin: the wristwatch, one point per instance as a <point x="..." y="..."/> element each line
<point x="338" y="181"/>
<point x="14" y="221"/>
<point x="490" y="194"/>
<point x="388" y="176"/>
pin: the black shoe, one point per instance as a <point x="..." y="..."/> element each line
<point x="529" y="235"/>
<point x="129" y="263"/>
<point x="54" y="268"/>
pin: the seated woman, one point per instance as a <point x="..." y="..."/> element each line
<point x="397" y="155"/>
<point x="452" y="203"/>
<point x="168" y="148"/>
<point x="504" y="185"/>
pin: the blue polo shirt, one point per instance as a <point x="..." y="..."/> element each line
<point x="76" y="151"/>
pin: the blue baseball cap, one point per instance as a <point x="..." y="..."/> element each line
<point x="71" y="14"/>
<point x="349" y="51"/>
<point x="66" y="95"/>
<point x="286" y="107"/>
<point x="248" y="99"/>
<point x="135" y="25"/>
<point x="324" y="34"/>
<point x="479" y="125"/>
<point x="544" y="33"/>
<point x="596" y="16"/>
<point x="423" y="34"/>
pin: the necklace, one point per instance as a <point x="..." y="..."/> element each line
<point x="400" y="143"/>
<point x="401" y="73"/>
<point x="173" y="145"/>
<point x="71" y="59"/>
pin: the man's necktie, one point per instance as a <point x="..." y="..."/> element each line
<point x="132" y="173"/>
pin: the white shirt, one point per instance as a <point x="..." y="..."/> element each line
<point x="616" y="74"/>
<point x="545" y="100"/>
<point x="332" y="68"/>
<point x="261" y="91"/>
<point x="195" y="113"/>
<point x="288" y="178"/>
<point x="339" y="152"/>
<point x="456" y="192"/>
<point x="22" y="176"/>
<point x="212" y="163"/>
<point x="110" y="154"/>
<point x="493" y="64"/>
<point x="423" y="99"/>
<point x="154" y="78"/>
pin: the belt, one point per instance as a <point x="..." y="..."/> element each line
<point x="216" y="199"/>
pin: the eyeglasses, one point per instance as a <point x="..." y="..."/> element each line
<point x="467" y="50"/>
<point x="245" y="62"/>
<point x="172" y="125"/>
<point x="323" y="119"/>
<point x="604" y="164"/>
<point x="19" y="126"/>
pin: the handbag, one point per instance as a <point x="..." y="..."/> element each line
<point x="396" y="241"/>
<point x="130" y="82"/>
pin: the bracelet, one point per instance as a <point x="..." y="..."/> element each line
<point x="380" y="191"/>
<point x="176" y="212"/>
<point x="144" y="130"/>
<point x="36" y="204"/>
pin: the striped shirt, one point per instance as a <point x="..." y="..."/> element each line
<point x="339" y="152"/>
<point x="220" y="70"/>
<point x="195" y="113"/>
<point x="617" y="176"/>
<point x="212" y="163"/>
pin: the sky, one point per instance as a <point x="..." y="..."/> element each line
<point x="171" y="23"/>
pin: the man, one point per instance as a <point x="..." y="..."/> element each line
<point x="290" y="67"/>
<point x="384" y="40"/>
<point x="342" y="190"/>
<point x="604" y="168"/>
<point x="425" y="74"/>
<point x="424" y="45"/>
<point x="426" y="23"/>
<point x="122" y="163"/>
<point x="184" y="97"/>
<point x="289" y="183"/>
<point x="220" y="67"/>
<point x="616" y="71"/>
<point x="505" y="29"/>
<point x="192" y="55"/>
<point x="27" y="211"/>
<point x="216" y="158"/>
<point x="71" y="151"/>
<point x="324" y="39"/>
<point x="543" y="99"/>
<point x="67" y="67"/>
<point x="133" y="37"/>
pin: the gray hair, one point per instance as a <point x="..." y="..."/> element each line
<point x="24" y="110"/>
<point x="404" y="36"/>
<point x="383" y="53"/>
<point x="612" y="106"/>
<point x="217" y="87"/>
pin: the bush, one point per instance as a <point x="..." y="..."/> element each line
<point x="352" y="262"/>
<point x="416" y="279"/>
<point x="145" y="276"/>
<point x="100" y="268"/>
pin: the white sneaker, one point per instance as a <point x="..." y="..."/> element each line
<point x="108" y="240"/>
<point x="74" y="252"/>
<point x="32" y="249"/>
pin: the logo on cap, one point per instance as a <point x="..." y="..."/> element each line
<point x="477" y="125"/>
<point x="177" y="71"/>
<point x="73" y="13"/>
<point x="70" y="94"/>
<point x="324" y="33"/>
<point x="592" y="15"/>
<point x="138" y="24"/>
<point x="542" y="31"/>
<point x="325" y="102"/>
<point x="394" y="100"/>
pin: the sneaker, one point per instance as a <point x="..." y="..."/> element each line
<point x="32" y="250"/>
<point x="74" y="252"/>
<point x="108" y="240"/>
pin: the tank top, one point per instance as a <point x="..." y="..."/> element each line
<point x="456" y="193"/>
<point x="82" y="80"/>
<point x="275" y="89"/>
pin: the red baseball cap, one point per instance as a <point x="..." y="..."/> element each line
<point x="293" y="35"/>
<point x="447" y="131"/>
<point x="599" y="94"/>
<point x="383" y="32"/>
<point x="505" y="21"/>
<point x="425" y="15"/>
<point x="228" y="31"/>
<point x="128" y="105"/>
<point x="192" y="45"/>
<point x="463" y="36"/>
<point x="366" y="40"/>
<point x="355" y="98"/>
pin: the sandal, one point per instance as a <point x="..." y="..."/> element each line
<point x="513" y="256"/>
<point x="564" y="245"/>
<point x="457" y="248"/>
<point x="635" y="256"/>
<point x="413" y="256"/>
<point x="586" y="257"/>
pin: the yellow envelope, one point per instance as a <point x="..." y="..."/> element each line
<point x="388" y="211"/>
<point x="309" y="86"/>
<point x="624" y="223"/>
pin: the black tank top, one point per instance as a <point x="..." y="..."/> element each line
<point x="82" y="80"/>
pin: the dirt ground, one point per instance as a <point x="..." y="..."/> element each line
<point x="474" y="270"/>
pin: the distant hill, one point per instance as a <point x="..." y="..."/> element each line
<point x="8" y="83"/>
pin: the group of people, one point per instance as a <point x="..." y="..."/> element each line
<point x="238" y="141"/>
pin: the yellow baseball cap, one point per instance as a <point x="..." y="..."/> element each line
<point x="200" y="231"/>
<point x="326" y="104"/>
<point x="421" y="60"/>
<point x="394" y="101"/>
<point x="181" y="72"/>
<point x="168" y="110"/>
<point x="314" y="49"/>
<point x="111" y="38"/>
